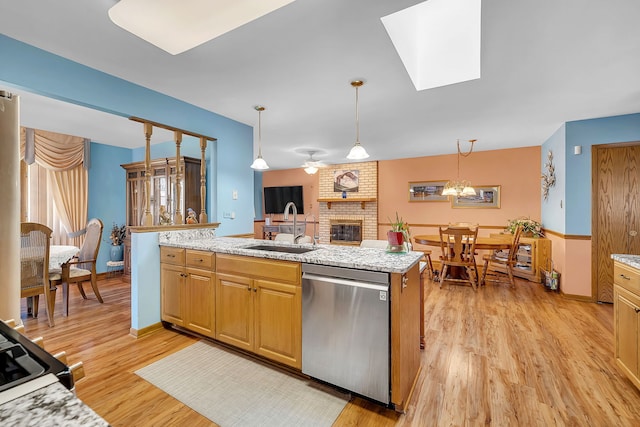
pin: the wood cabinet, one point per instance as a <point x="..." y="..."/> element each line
<point x="163" y="193"/>
<point x="187" y="286"/>
<point x="534" y="255"/>
<point x="405" y="335"/>
<point x="163" y="188"/>
<point x="626" y="292"/>
<point x="259" y="307"/>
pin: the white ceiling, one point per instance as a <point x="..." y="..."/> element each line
<point x="543" y="63"/>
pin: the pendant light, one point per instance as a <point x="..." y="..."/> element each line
<point x="460" y="187"/>
<point x="357" y="151"/>
<point x="259" y="163"/>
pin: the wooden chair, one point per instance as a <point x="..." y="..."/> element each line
<point x="458" y="248"/>
<point x="83" y="268"/>
<point x="499" y="262"/>
<point x="380" y="244"/>
<point x="34" y="268"/>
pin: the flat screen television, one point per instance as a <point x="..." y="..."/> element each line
<point x="276" y="198"/>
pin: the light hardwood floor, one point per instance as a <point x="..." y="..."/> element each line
<point x="498" y="356"/>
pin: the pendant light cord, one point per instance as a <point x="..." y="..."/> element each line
<point x="357" y="119"/>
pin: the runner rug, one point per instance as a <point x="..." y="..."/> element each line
<point x="234" y="390"/>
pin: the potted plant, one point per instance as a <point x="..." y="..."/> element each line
<point x="399" y="232"/>
<point x="530" y="227"/>
<point x="117" y="236"/>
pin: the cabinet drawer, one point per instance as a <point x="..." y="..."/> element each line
<point x="200" y="259"/>
<point x="170" y="255"/>
<point x="260" y="268"/>
<point x="626" y="277"/>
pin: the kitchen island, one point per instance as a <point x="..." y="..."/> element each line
<point x="251" y="298"/>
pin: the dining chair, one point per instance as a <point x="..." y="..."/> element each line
<point x="380" y="244"/>
<point x="288" y="238"/>
<point x="502" y="261"/>
<point x="34" y="268"/>
<point x="82" y="268"/>
<point x="458" y="248"/>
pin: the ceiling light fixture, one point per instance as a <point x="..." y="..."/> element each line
<point x="460" y="187"/>
<point x="259" y="163"/>
<point x="357" y="151"/>
<point x="311" y="165"/>
<point x="177" y="26"/>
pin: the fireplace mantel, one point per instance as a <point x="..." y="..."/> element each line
<point x="361" y="200"/>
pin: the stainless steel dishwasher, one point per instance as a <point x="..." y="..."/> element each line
<point x="345" y="329"/>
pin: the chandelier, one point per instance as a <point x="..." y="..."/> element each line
<point x="460" y="187"/>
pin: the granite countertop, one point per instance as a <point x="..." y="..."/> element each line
<point x="630" y="260"/>
<point x="372" y="259"/>
<point x="52" y="405"/>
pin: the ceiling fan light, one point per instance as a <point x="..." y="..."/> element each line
<point x="311" y="170"/>
<point x="357" y="152"/>
<point x="259" y="164"/>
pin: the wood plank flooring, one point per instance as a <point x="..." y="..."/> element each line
<point x="499" y="356"/>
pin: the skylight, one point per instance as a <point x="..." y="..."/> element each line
<point x="438" y="41"/>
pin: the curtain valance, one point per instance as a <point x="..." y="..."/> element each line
<point x="54" y="151"/>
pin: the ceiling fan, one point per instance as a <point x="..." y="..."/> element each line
<point x="312" y="165"/>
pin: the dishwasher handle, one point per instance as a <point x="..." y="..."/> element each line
<point x="344" y="282"/>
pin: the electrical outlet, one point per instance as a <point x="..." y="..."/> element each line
<point x="234" y="194"/>
<point x="226" y="214"/>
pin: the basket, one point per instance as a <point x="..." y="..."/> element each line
<point x="551" y="279"/>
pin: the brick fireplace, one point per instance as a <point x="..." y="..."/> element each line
<point x="358" y="208"/>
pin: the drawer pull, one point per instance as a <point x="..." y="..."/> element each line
<point x="625" y="277"/>
<point x="200" y="260"/>
<point x="249" y="288"/>
<point x="637" y="310"/>
<point x="171" y="256"/>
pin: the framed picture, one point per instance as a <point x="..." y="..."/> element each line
<point x="345" y="180"/>
<point x="427" y="191"/>
<point x="487" y="197"/>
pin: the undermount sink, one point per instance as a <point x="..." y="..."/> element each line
<point x="287" y="249"/>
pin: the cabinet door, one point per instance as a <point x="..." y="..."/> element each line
<point x="626" y="327"/>
<point x="234" y="310"/>
<point x="278" y="322"/>
<point x="200" y="302"/>
<point x="172" y="282"/>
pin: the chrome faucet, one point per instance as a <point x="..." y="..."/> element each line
<point x="315" y="236"/>
<point x="295" y="220"/>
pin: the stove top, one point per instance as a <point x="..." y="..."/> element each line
<point x="22" y="361"/>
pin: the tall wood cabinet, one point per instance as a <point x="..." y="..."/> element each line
<point x="163" y="193"/>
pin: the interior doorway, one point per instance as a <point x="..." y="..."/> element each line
<point x="615" y="210"/>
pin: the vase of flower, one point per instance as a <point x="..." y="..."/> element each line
<point x="117" y="236"/>
<point x="116" y="253"/>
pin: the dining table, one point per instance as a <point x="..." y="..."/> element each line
<point x="59" y="254"/>
<point x="482" y="243"/>
<point x="492" y="243"/>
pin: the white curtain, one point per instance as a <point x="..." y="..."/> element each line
<point x="65" y="182"/>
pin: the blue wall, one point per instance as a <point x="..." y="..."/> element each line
<point x="573" y="172"/>
<point x="228" y="160"/>
<point x="107" y="198"/>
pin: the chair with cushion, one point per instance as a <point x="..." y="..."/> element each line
<point x="458" y="248"/>
<point x="499" y="262"/>
<point x="288" y="238"/>
<point x="381" y="244"/>
<point x="34" y="268"/>
<point x="83" y="268"/>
